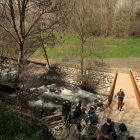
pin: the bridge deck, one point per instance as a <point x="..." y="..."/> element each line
<point x="130" y="114"/>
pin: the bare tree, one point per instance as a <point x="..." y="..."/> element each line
<point x="77" y="19"/>
<point x="81" y="14"/>
<point x="47" y="40"/>
<point x="22" y="20"/>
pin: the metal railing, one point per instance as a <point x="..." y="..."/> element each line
<point x="136" y="87"/>
<point x="110" y="95"/>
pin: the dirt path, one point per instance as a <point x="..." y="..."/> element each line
<point x="123" y="64"/>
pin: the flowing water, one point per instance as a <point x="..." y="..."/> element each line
<point x="54" y="99"/>
<point x="47" y="98"/>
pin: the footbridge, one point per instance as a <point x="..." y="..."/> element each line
<point x="130" y="114"/>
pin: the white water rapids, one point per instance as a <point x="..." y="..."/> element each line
<point x="52" y="99"/>
<point x="86" y="97"/>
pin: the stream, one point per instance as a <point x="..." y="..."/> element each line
<point x="48" y="94"/>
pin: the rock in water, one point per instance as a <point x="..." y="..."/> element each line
<point x="53" y="109"/>
<point x="52" y="89"/>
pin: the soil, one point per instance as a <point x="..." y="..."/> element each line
<point x="123" y="64"/>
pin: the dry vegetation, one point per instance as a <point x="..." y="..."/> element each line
<point x="104" y="18"/>
<point x="28" y="25"/>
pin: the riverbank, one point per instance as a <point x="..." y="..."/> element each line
<point x="18" y="127"/>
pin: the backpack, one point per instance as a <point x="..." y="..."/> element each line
<point x="92" y="132"/>
<point x="66" y="108"/>
<point x="105" y="134"/>
<point x="77" y="112"/>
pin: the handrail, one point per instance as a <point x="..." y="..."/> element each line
<point x="136" y="87"/>
<point x="110" y="95"/>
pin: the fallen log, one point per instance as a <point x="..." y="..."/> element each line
<point x="7" y="88"/>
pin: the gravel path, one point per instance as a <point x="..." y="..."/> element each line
<point x="123" y="64"/>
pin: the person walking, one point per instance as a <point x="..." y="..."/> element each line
<point x="65" y="111"/>
<point x="121" y="96"/>
<point x="123" y="134"/>
<point x="107" y="131"/>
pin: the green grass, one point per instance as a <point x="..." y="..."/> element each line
<point x="12" y="128"/>
<point x="104" y="47"/>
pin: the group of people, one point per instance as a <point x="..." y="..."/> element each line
<point x="105" y="132"/>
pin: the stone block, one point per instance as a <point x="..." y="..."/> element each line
<point x="107" y="85"/>
<point x="102" y="84"/>
<point x="98" y="77"/>
<point x="138" y="78"/>
<point x="108" y="89"/>
<point x="138" y="83"/>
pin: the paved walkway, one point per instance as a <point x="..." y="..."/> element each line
<point x="130" y="114"/>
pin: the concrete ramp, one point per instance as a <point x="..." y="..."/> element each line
<point x="130" y="114"/>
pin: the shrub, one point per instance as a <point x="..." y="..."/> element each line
<point x="88" y="83"/>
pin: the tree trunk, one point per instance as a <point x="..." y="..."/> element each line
<point x="46" y="55"/>
<point x="19" y="65"/>
<point x="82" y="49"/>
<point x="82" y="46"/>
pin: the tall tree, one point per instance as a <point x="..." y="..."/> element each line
<point x="23" y="20"/>
<point x="79" y="17"/>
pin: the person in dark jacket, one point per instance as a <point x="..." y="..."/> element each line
<point x="66" y="109"/>
<point x="121" y="96"/>
<point x="107" y="131"/>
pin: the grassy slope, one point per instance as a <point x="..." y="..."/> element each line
<point x="12" y="128"/>
<point x="105" y="47"/>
